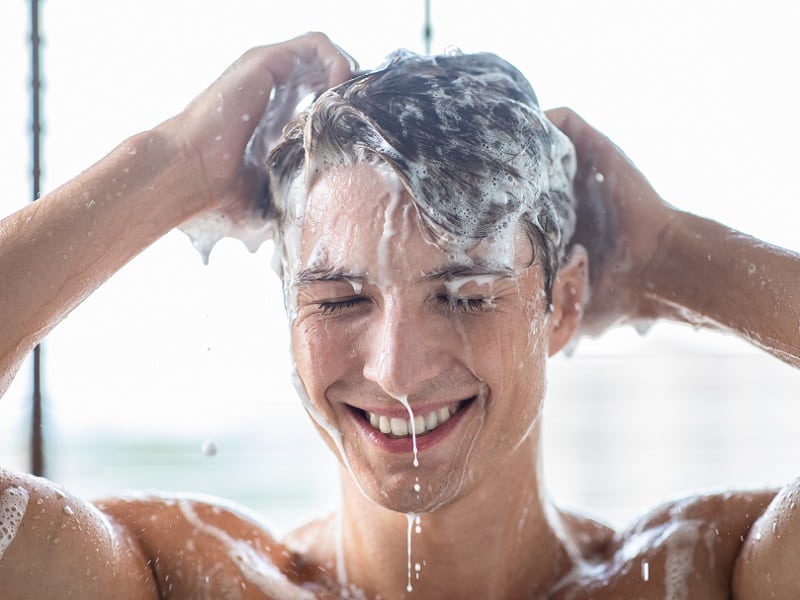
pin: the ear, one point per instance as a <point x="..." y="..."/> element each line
<point x="569" y="296"/>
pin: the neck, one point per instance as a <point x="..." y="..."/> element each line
<point x="497" y="540"/>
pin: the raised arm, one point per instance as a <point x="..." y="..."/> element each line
<point x="649" y="260"/>
<point x="56" y="251"/>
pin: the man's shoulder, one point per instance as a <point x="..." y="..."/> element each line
<point x="53" y="544"/>
<point x="144" y="546"/>
<point x="200" y="545"/>
<point x="686" y="547"/>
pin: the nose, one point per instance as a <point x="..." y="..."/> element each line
<point x="404" y="350"/>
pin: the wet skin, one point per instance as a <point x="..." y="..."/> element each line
<point x="408" y="328"/>
<point x="152" y="551"/>
<point x="464" y="331"/>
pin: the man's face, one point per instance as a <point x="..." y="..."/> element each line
<point x="385" y="316"/>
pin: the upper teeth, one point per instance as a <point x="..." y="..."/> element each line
<point x="403" y="427"/>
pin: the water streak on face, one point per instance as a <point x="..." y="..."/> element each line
<point x="444" y="328"/>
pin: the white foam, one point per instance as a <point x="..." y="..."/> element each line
<point x="386" y="272"/>
<point x="404" y="401"/>
<point x="411" y="518"/>
<point x="680" y="556"/>
<point x="13" y="504"/>
<point x="341" y="565"/>
<point x="257" y="569"/>
<point x="208" y="228"/>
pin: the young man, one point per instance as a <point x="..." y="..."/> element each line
<point x="425" y="216"/>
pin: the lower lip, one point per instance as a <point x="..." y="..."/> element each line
<point x="406" y="444"/>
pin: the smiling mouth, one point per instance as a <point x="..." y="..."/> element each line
<point x="395" y="427"/>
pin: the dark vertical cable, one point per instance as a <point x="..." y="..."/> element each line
<point x="37" y="443"/>
<point x="427" y="32"/>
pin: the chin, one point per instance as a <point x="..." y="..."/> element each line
<point x="414" y="491"/>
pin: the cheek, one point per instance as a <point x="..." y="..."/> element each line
<point x="323" y="352"/>
<point x="510" y="343"/>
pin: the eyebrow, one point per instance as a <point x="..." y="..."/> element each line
<point x="327" y="274"/>
<point x="446" y="273"/>
<point x="457" y="271"/>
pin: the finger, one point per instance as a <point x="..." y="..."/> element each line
<point x="313" y="49"/>
<point x="573" y="125"/>
<point x="559" y="115"/>
<point x="594" y="149"/>
<point x="341" y="75"/>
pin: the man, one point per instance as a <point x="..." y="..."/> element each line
<point x="424" y="215"/>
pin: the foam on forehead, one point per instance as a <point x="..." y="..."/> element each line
<point x="463" y="132"/>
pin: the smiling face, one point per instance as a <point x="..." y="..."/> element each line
<point x="386" y="317"/>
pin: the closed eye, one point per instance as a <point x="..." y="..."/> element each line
<point x="465" y="305"/>
<point x="333" y="307"/>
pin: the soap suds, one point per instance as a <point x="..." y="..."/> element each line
<point x="411" y="518"/>
<point x="13" y="504"/>
<point x="253" y="229"/>
<point x="255" y="568"/>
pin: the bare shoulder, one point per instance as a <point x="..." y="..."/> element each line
<point x="53" y="545"/>
<point x="767" y="563"/>
<point x="144" y="547"/>
<point x="685" y="548"/>
<point x="203" y="547"/>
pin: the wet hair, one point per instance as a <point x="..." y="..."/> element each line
<point x="466" y="137"/>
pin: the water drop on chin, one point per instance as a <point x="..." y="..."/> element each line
<point x="209" y="448"/>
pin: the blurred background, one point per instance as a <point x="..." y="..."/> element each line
<point x="175" y="376"/>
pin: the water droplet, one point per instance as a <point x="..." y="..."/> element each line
<point x="209" y="448"/>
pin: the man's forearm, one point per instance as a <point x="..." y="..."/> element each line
<point x="709" y="275"/>
<point x="56" y="251"/>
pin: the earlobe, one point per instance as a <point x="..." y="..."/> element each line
<point x="569" y="295"/>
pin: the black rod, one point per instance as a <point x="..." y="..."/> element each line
<point x="37" y="441"/>
<point x="427" y="32"/>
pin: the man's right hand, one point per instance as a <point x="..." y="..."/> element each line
<point x="58" y="250"/>
<point x="213" y="131"/>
